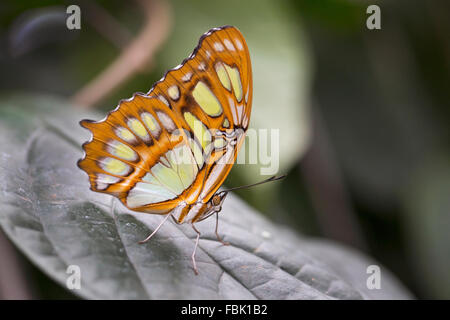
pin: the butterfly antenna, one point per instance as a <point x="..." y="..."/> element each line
<point x="274" y="178"/>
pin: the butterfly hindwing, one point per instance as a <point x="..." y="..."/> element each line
<point x="178" y="142"/>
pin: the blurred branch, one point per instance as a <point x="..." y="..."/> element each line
<point x="327" y="190"/>
<point x="12" y="282"/>
<point x="138" y="54"/>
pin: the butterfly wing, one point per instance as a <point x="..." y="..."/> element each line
<point x="178" y="142"/>
<point x="213" y="90"/>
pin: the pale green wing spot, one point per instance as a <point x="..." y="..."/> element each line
<point x="206" y="99"/>
<point x="138" y="128"/>
<point x="219" y="143"/>
<point x="114" y="166"/>
<point x="223" y="75"/>
<point x="229" y="45"/>
<point x="125" y="134"/>
<point x="235" y="78"/>
<point x="151" y="123"/>
<point x="174" y="92"/>
<point x="121" y="150"/>
<point x="166" y="121"/>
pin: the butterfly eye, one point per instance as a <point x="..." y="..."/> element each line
<point x="216" y="200"/>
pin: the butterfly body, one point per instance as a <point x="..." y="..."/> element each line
<point x="168" y="151"/>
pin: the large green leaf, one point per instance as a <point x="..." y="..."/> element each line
<point x="48" y="211"/>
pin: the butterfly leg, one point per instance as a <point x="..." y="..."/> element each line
<point x="156" y="230"/>
<point x="217" y="232"/>
<point x="195" y="249"/>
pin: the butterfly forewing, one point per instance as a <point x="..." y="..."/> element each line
<point x="177" y="143"/>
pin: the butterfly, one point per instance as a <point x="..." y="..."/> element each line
<point x="168" y="151"/>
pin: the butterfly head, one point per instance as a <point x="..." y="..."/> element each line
<point x="214" y="205"/>
<point x="217" y="200"/>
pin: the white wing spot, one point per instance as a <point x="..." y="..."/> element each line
<point x="229" y="45"/>
<point x="223" y="75"/>
<point x="202" y="66"/>
<point x="206" y="99"/>
<point x="239" y="44"/>
<point x="166" y="121"/>
<point x="164" y="100"/>
<point x="174" y="92"/>
<point x="187" y="77"/>
<point x="218" y="46"/>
